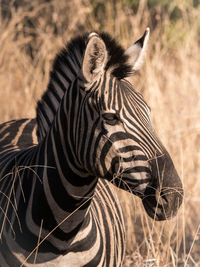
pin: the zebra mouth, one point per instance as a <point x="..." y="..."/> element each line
<point x="162" y="205"/>
<point x="163" y="197"/>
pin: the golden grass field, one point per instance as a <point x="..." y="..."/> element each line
<point x="30" y="37"/>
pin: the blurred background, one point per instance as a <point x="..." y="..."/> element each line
<point x="32" y="32"/>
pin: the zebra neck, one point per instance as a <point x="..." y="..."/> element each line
<point x="67" y="189"/>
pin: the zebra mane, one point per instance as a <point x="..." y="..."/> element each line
<point x="66" y="66"/>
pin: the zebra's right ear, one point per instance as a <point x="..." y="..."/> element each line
<point x="95" y="58"/>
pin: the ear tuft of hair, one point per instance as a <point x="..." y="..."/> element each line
<point x="95" y="58"/>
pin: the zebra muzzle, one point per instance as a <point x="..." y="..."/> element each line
<point x="163" y="197"/>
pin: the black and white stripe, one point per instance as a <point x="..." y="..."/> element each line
<point x="58" y="207"/>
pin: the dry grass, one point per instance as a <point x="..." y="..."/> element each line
<point x="169" y="81"/>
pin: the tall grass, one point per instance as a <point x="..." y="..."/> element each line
<point x="30" y="36"/>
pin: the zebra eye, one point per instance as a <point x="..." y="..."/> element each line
<point x="111" y="118"/>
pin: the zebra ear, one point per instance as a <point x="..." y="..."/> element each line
<point x="95" y="57"/>
<point x="136" y="52"/>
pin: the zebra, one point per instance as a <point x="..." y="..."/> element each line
<point x="92" y="128"/>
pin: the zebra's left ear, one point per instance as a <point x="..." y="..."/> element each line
<point x="95" y="57"/>
<point x="136" y="52"/>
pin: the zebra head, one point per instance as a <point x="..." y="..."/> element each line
<point x="116" y="132"/>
